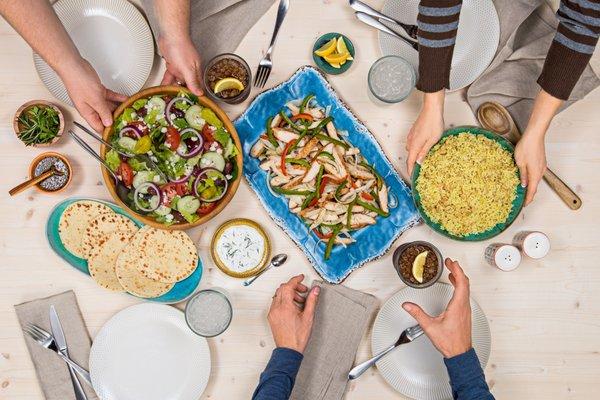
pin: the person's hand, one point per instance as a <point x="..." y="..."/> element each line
<point x="426" y="130"/>
<point x="183" y="63"/>
<point x="290" y="324"/>
<point x="530" y="156"/>
<point x="450" y="332"/>
<point x="94" y="102"/>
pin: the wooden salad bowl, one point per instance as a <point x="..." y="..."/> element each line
<point x="203" y="101"/>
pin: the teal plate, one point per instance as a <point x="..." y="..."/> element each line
<point x="517" y="204"/>
<point x="180" y="292"/>
<point x="324" y="65"/>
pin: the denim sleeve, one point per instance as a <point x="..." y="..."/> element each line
<point x="467" y="378"/>
<point x="277" y="380"/>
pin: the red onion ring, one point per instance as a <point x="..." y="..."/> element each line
<point x="130" y="128"/>
<point x="199" y="178"/>
<point x="198" y="147"/>
<point x="147" y="185"/>
<point x="184" y="178"/>
<point x="171" y="104"/>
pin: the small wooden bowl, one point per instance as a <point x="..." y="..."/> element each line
<point x="39" y="158"/>
<point x="203" y="101"/>
<point x="28" y="105"/>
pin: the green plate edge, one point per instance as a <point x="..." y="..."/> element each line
<point x="324" y="65"/>
<point x="517" y="204"/>
<point x="180" y="292"/>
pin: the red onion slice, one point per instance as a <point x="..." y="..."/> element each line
<point x="144" y="188"/>
<point x="201" y="176"/>
<point x="184" y="178"/>
<point x="172" y="103"/>
<point x="197" y="144"/>
<point x="130" y="129"/>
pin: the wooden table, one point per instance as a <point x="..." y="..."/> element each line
<point x="544" y="317"/>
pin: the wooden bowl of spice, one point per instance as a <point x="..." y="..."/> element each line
<point x="419" y="264"/>
<point x="44" y="162"/>
<point x="39" y="123"/>
<point x="228" y="78"/>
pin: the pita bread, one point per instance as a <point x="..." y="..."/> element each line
<point x="74" y="221"/>
<point x="167" y="256"/>
<point x="103" y="259"/>
<point x="100" y="228"/>
<point x="128" y="275"/>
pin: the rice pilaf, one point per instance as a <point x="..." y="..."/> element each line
<point x="467" y="184"/>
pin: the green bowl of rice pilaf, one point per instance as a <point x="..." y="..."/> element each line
<point x="468" y="186"/>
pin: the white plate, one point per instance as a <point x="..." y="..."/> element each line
<point x="113" y="36"/>
<point x="476" y="40"/>
<point x="148" y="352"/>
<point x="417" y="369"/>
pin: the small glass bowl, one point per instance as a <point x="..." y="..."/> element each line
<point x="396" y="260"/>
<point x="385" y="73"/>
<point x="243" y="94"/>
<point x="197" y="297"/>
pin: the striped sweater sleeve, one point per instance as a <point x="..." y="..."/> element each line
<point x="438" y="23"/>
<point x="572" y="48"/>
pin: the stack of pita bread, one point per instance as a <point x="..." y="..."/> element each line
<point x="145" y="262"/>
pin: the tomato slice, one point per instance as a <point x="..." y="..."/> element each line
<point x="126" y="173"/>
<point x="173" y="138"/>
<point x="205" y="208"/>
<point x="170" y="190"/>
<point x="141" y="126"/>
<point x="207" y="133"/>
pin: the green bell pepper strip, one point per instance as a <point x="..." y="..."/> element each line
<point x="374" y="172"/>
<point x="326" y="154"/>
<point x="305" y="102"/>
<point x="270" y="133"/>
<point x="322" y="124"/>
<point x="349" y="213"/>
<point x="290" y="192"/>
<point x="320" y="136"/>
<point x="290" y="122"/>
<point x="298" y="161"/>
<point x="314" y="195"/>
<point x="302" y="135"/>
<point x="331" y="241"/>
<point x="371" y="207"/>
<point x="339" y="189"/>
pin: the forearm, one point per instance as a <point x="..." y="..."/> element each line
<point x="467" y="378"/>
<point x="438" y="24"/>
<point x="173" y="19"/>
<point x="37" y="23"/>
<point x="434" y="101"/>
<point x="572" y="47"/>
<point x="544" y="109"/>
<point x="278" y="378"/>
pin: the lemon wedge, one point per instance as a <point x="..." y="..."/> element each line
<point x="228" y="83"/>
<point x="341" y="45"/>
<point x="419" y="265"/>
<point x="327" y="48"/>
<point x="337" y="58"/>
<point x="336" y="65"/>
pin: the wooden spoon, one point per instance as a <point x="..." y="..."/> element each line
<point x="496" y="118"/>
<point x="34" y="181"/>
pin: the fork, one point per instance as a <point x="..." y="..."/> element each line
<point x="266" y="65"/>
<point x="45" y="339"/>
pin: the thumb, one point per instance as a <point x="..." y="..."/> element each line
<point x="418" y="314"/>
<point x="311" y="302"/>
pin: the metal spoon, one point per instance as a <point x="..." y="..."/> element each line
<point x="276" y="261"/>
<point x="121" y="189"/>
<point x="495" y="117"/>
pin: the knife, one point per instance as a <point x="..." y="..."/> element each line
<point x="375" y="23"/>
<point x="61" y="345"/>
<point x="406" y="29"/>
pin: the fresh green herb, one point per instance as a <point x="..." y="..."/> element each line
<point x="38" y="124"/>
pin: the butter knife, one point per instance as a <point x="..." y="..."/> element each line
<point x="61" y="345"/>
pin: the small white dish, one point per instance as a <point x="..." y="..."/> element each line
<point x="113" y="36"/>
<point x="417" y="369"/>
<point x="148" y="352"/>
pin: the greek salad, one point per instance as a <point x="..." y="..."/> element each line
<point x="175" y="156"/>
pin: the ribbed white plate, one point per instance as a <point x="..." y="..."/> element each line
<point x="476" y="40"/>
<point x="148" y="352"/>
<point x="417" y="369"/>
<point x="113" y="36"/>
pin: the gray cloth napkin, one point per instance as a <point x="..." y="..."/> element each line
<point x="527" y="28"/>
<point x="52" y="372"/>
<point x="341" y="318"/>
<point x="217" y="26"/>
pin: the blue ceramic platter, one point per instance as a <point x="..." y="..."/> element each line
<point x="181" y="291"/>
<point x="372" y="241"/>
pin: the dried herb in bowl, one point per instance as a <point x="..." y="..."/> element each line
<point x="38" y="124"/>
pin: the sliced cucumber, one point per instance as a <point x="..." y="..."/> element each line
<point x="143" y="177"/>
<point x="193" y="116"/>
<point x="212" y="159"/>
<point x="162" y="210"/>
<point x="156" y="103"/>
<point x="188" y="204"/>
<point x="127" y="143"/>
